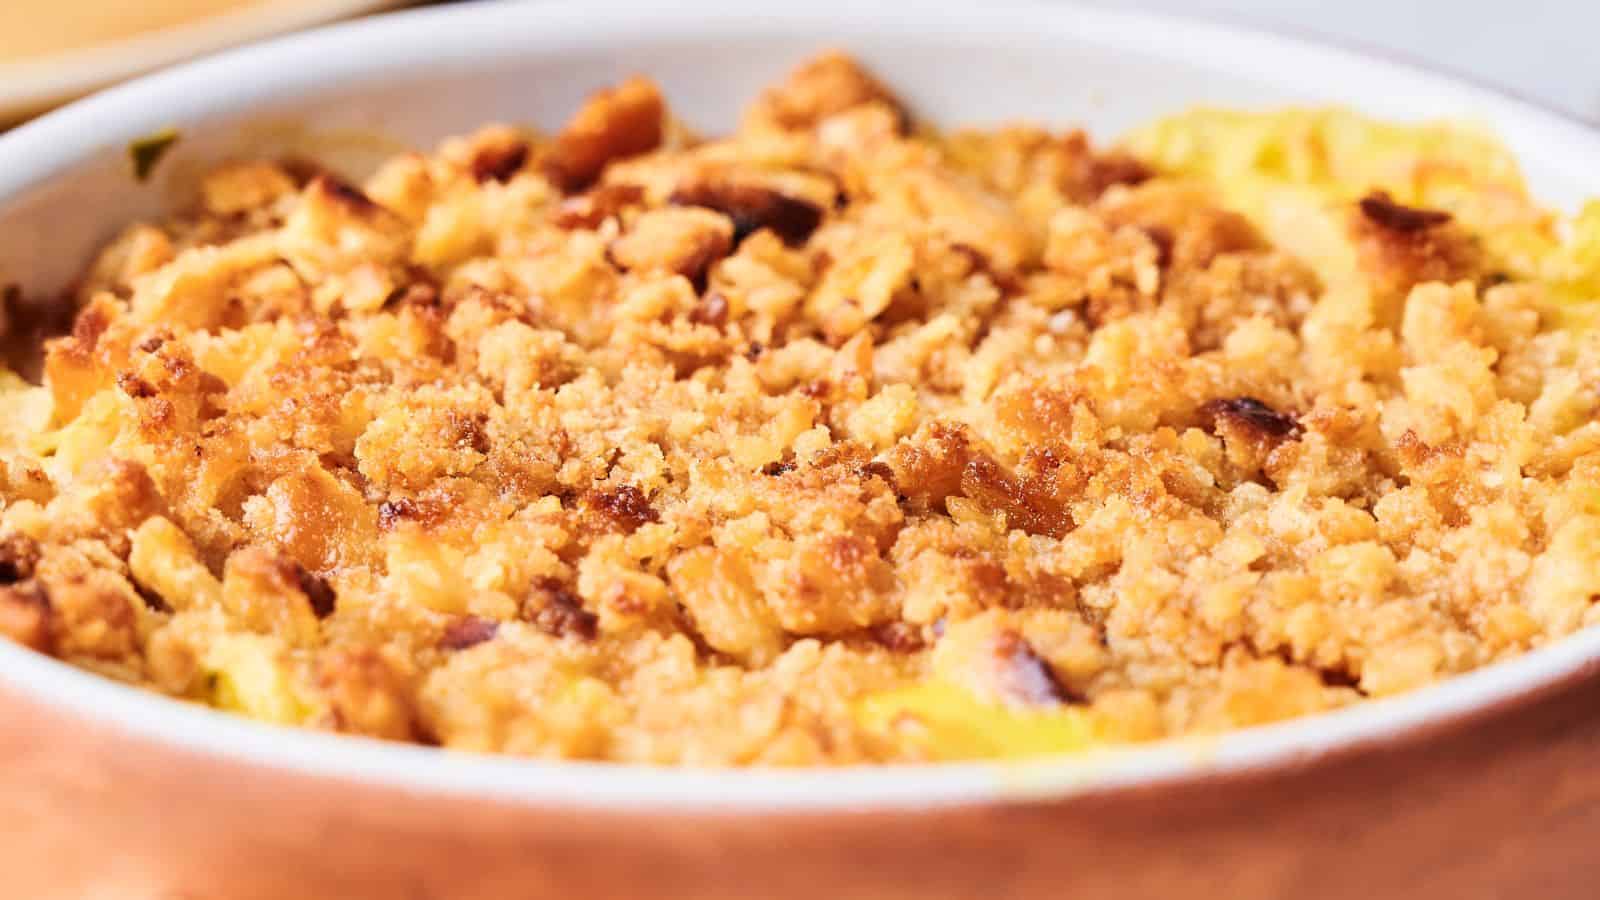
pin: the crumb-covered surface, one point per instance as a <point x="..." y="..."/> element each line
<point x="838" y="439"/>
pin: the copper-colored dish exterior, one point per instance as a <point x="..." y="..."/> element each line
<point x="1503" y="802"/>
<point x="1487" y="787"/>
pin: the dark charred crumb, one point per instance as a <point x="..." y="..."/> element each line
<point x="301" y="170"/>
<point x="899" y="637"/>
<point x="345" y="467"/>
<point x="685" y="364"/>
<point x="1008" y="282"/>
<point x="1161" y="236"/>
<point x="1114" y="168"/>
<point x="177" y="366"/>
<point x="344" y="193"/>
<point x="19" y="555"/>
<point x="712" y="310"/>
<point x="626" y="507"/>
<point x="697" y="267"/>
<point x="1494" y="279"/>
<point x="425" y="735"/>
<point x="1022" y="676"/>
<point x="880" y="469"/>
<point x="420" y="289"/>
<point x="151" y="344"/>
<point x="152" y="600"/>
<point x="753" y="208"/>
<point x="134" y="386"/>
<point x="1340" y="677"/>
<point x="470" y="432"/>
<point x="26" y="615"/>
<point x="558" y="612"/>
<point x="392" y="513"/>
<point x="414" y="294"/>
<point x="591" y="209"/>
<point x="780" y="467"/>
<point x="1380" y="209"/>
<point x="1253" y="415"/>
<point x="755" y="350"/>
<point x="500" y="162"/>
<point x="316" y="588"/>
<point x="1095" y="617"/>
<point x="468" y="631"/>
<point x="88" y="325"/>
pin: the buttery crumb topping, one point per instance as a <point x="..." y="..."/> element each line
<point x="839" y="439"/>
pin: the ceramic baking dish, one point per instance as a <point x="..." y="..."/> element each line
<point x="1483" y="786"/>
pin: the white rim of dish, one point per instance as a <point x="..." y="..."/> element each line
<point x="36" y="82"/>
<point x="238" y="79"/>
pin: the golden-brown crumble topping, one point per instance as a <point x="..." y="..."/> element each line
<point x="833" y="440"/>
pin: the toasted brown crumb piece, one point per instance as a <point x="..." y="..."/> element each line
<point x="558" y="612"/>
<point x="1401" y="246"/>
<point x="366" y="695"/>
<point x="899" y="637"/>
<point x="1252" y="415"/>
<point x="392" y="513"/>
<point x="1251" y="430"/>
<point x="467" y="632"/>
<point x="625" y="507"/>
<point x="589" y="209"/>
<point x="685" y="241"/>
<point x="499" y="161"/>
<point x="1029" y="501"/>
<point x="1382" y="211"/>
<point x="944" y="464"/>
<point x="753" y="208"/>
<point x="823" y="86"/>
<point x="318" y="592"/>
<point x="341" y="193"/>
<point x="1023" y="677"/>
<point x="711" y="310"/>
<point x="19" y="556"/>
<point x="613" y="124"/>
<point x="25" y="615"/>
<point x="992" y="658"/>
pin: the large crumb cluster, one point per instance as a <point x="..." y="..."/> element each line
<point x="835" y="440"/>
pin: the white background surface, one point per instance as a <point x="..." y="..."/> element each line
<point x="1545" y="50"/>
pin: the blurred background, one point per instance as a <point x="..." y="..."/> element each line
<point x="52" y="50"/>
<point x="1540" y="49"/>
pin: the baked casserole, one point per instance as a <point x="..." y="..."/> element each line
<point x="837" y="440"/>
